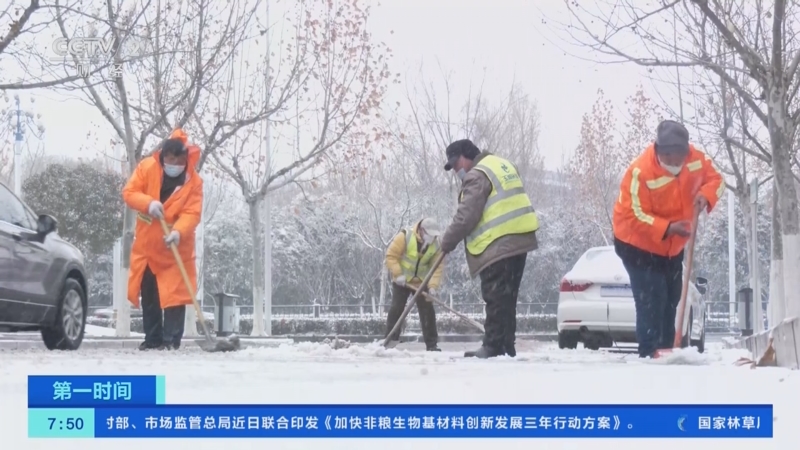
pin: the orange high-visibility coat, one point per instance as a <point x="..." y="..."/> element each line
<point x="181" y="211"/>
<point x="650" y="198"/>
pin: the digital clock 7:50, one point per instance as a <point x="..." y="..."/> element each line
<point x="69" y="424"/>
<point x="60" y="422"/>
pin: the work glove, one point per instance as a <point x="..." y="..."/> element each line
<point x="700" y="203"/>
<point x="172" y="238"/>
<point x="682" y="228"/>
<point x="156" y="209"/>
<point x="400" y="281"/>
<point x="433" y="293"/>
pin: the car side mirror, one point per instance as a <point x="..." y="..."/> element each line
<point x="702" y="285"/>
<point x="46" y="224"/>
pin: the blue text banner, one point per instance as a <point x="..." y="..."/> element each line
<point x="435" y="421"/>
<point x="87" y="391"/>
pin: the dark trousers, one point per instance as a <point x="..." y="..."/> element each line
<point x="656" y="294"/>
<point x="427" y="315"/>
<point x="500" y="288"/>
<point x="160" y="326"/>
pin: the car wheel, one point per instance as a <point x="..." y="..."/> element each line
<point x="591" y="344"/>
<point x="685" y="338"/>
<point x="567" y="341"/>
<point x="67" y="331"/>
<point x="701" y="343"/>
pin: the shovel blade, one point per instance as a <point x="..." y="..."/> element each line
<point x="662" y="352"/>
<point x="231" y="344"/>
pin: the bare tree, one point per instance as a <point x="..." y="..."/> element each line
<point x="329" y="75"/>
<point x="433" y="120"/>
<point x="34" y="25"/>
<point x="386" y="206"/>
<point x="16" y="18"/>
<point x="597" y="165"/>
<point x="760" y="41"/>
<point x="170" y="82"/>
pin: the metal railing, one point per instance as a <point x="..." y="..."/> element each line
<point x="717" y="313"/>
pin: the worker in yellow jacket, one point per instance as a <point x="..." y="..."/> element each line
<point x="409" y="259"/>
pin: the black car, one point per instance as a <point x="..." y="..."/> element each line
<point x="42" y="278"/>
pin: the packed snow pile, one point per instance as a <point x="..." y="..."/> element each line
<point x="336" y="343"/>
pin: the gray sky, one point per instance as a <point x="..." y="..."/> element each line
<point x="502" y="36"/>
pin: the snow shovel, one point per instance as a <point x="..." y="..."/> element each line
<point x="444" y="305"/>
<point x="684" y="291"/>
<point x="212" y="345"/>
<point x="414" y="298"/>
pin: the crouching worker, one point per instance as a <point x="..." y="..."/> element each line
<point x="165" y="186"/>
<point x="409" y="258"/>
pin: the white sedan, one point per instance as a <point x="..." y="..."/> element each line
<point x="595" y="305"/>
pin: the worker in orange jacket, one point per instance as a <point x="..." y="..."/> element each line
<point x="659" y="195"/>
<point x="165" y="186"/>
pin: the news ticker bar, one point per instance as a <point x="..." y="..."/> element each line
<point x="404" y="421"/>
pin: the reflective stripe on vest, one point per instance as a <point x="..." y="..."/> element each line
<point x="508" y="209"/>
<point x="413" y="266"/>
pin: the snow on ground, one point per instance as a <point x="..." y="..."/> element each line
<point x="315" y="373"/>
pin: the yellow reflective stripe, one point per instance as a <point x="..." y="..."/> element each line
<point x="636" y="204"/>
<point x="508" y="209"/>
<point x="411" y="256"/>
<point x="694" y="166"/>
<point x="659" y="182"/>
<point x="721" y="189"/>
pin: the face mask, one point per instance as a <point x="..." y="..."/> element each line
<point x="461" y="174"/>
<point x="675" y="170"/>
<point x="173" y="171"/>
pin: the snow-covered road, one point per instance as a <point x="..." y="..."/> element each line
<point x="315" y="373"/>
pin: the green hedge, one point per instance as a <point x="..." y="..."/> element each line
<point x="368" y="325"/>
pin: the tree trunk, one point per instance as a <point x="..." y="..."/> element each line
<point x="190" y="323"/>
<point x="747" y="219"/>
<point x="776" y="308"/>
<point x="123" y="323"/>
<point x="258" y="267"/>
<point x="266" y="205"/>
<point x="780" y="132"/>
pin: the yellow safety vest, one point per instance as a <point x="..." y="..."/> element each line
<point x="508" y="209"/>
<point x="413" y="264"/>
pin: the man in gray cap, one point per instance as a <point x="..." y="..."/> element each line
<point x="660" y="194"/>
<point x="496" y="221"/>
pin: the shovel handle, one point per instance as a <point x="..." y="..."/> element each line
<point x="685" y="287"/>
<point x="185" y="277"/>
<point x="414" y="298"/>
<point x="444" y="305"/>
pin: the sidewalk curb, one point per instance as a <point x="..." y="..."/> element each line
<point x="22" y="342"/>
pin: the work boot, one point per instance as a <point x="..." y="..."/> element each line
<point x="510" y="350"/>
<point x="149" y="346"/>
<point x="392" y="344"/>
<point x="432" y="348"/>
<point x="484" y="352"/>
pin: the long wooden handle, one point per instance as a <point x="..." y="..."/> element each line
<point x="444" y="305"/>
<point x="686" y="279"/>
<point x="185" y="276"/>
<point x="414" y="298"/>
